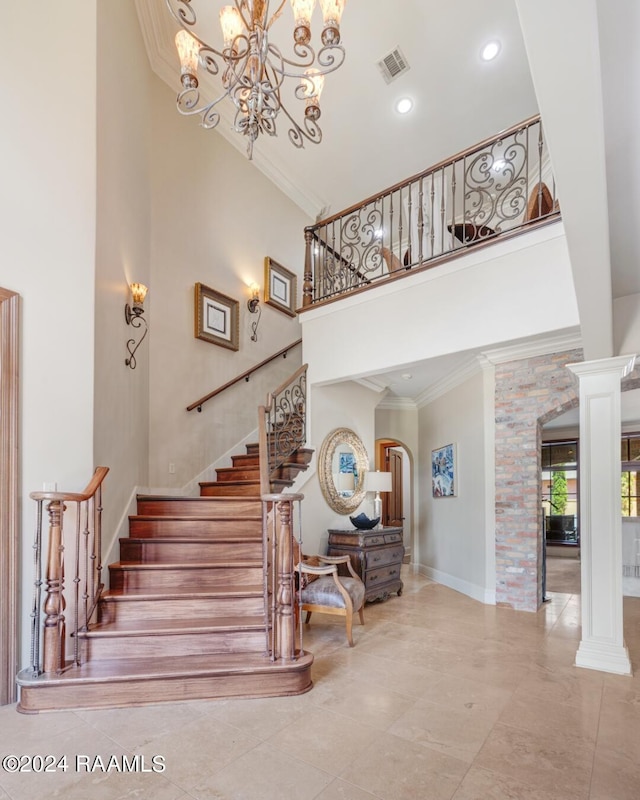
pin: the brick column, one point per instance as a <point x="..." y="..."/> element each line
<point x="529" y="392"/>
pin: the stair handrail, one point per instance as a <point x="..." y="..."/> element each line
<point x="498" y="188"/>
<point x="244" y="376"/>
<point x="87" y="579"/>
<point x="282" y="425"/>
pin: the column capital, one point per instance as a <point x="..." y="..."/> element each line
<point x="620" y="365"/>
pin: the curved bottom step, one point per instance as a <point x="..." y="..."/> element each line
<point x="136" y="682"/>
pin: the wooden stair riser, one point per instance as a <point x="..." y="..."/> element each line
<point x="246" y="460"/>
<point x="205" y="528"/>
<point x="99" y="648"/>
<point x="228" y="489"/>
<point x="152" y="551"/>
<point x="238" y="474"/>
<point x="203" y="578"/>
<point x="66" y="693"/>
<point x="132" y="609"/>
<point x="199" y="507"/>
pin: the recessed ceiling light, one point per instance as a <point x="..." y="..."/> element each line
<point x="404" y="105"/>
<point x="499" y="164"/>
<point x="406" y="376"/>
<point x="490" y="50"/>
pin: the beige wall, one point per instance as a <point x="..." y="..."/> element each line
<point x="214" y="219"/>
<point x="121" y="404"/>
<point x="451" y="534"/>
<point x="47" y="229"/>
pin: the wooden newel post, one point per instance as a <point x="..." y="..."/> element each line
<point x="54" y="625"/>
<point x="285" y="617"/>
<point x="307" y="286"/>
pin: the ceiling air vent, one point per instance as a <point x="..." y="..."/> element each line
<point x="393" y="65"/>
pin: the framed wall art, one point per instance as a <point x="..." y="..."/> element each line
<point x="443" y="471"/>
<point x="280" y="287"/>
<point x="216" y="317"/>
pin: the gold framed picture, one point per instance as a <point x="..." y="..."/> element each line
<point x="280" y="287"/>
<point x="216" y="317"/>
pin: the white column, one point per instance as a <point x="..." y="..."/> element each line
<point x="602" y="645"/>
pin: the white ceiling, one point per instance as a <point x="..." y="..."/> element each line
<point x="459" y="100"/>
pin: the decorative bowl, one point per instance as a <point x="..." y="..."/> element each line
<point x="363" y="522"/>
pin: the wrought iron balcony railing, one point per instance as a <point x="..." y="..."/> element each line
<point x="499" y="187"/>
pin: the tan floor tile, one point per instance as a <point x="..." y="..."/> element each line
<point x="20" y="731"/>
<point x="464" y="694"/>
<point x="199" y="750"/>
<point x="263" y="774"/>
<point x="396" y="769"/>
<point x="579" y="720"/>
<point x="341" y="790"/>
<point x="262" y="717"/>
<point x="362" y="701"/>
<point x="86" y="776"/>
<point x="456" y="732"/>
<point x="134" y="727"/>
<point x="325" y="739"/>
<point x="550" y="762"/>
<point x="615" y="775"/>
<point x="406" y="678"/>
<point x="482" y="784"/>
<point x="619" y="729"/>
<point x="560" y="684"/>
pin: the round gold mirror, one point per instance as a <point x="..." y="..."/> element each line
<point x="342" y="464"/>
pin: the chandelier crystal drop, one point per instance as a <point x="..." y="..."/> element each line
<point x="254" y="71"/>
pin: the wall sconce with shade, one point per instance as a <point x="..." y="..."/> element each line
<point x="253" y="304"/>
<point x="377" y="482"/>
<point x="134" y="316"/>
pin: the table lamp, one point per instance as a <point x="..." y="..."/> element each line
<point x="377" y="482"/>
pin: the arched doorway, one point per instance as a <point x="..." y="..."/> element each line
<point x="392" y="455"/>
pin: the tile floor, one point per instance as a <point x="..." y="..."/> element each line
<point x="441" y="698"/>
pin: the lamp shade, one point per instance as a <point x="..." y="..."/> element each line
<point x="377" y="481"/>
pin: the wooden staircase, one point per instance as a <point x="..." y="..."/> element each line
<point x="187" y="612"/>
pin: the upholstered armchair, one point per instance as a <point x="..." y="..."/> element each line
<point x="323" y="590"/>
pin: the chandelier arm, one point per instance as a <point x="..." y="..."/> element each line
<point x="183" y="13"/>
<point x="312" y="132"/>
<point x="276" y="14"/>
<point x="329" y="62"/>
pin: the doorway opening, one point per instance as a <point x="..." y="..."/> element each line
<point x="395" y="457"/>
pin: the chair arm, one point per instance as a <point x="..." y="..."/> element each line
<point x="311" y="570"/>
<point x="341" y="560"/>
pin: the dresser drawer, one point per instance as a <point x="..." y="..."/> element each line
<point x="375" y="577"/>
<point x="390" y="538"/>
<point x="383" y="556"/>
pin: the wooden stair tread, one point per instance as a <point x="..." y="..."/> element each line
<point x="172" y="626"/>
<point x="203" y="518"/>
<point x="222" y="538"/>
<point x="196" y="500"/>
<point x="125" y="669"/>
<point x="123" y="596"/>
<point x="131" y="565"/>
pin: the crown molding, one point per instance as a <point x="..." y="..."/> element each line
<point x="393" y="403"/>
<point x="556" y="343"/>
<point x="371" y="383"/>
<point x="449" y="382"/>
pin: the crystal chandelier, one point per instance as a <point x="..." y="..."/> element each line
<point x="253" y="70"/>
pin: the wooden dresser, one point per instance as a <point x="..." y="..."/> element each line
<point x="376" y="556"/>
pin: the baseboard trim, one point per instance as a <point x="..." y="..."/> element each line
<point x="479" y="593"/>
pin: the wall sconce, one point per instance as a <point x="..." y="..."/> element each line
<point x="133" y="314"/>
<point x="253" y="304"/>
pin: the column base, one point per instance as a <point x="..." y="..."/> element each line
<point x="604" y="657"/>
